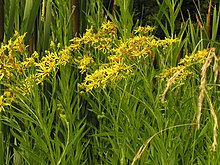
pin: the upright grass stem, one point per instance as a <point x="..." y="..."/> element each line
<point x="208" y="22"/>
<point x="2" y="147"/>
<point x="59" y="124"/>
<point x="1" y="20"/>
<point x="75" y="17"/>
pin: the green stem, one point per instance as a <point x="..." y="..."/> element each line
<point x="1" y="136"/>
<point x="1" y="144"/>
<point x="1" y="20"/>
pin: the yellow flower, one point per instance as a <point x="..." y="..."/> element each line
<point x="198" y="57"/>
<point x="52" y="44"/>
<point x="3" y="102"/>
<point x="76" y="43"/>
<point x="18" y="43"/>
<point x="109" y="72"/>
<point x="7" y="94"/>
<point x="84" y="62"/>
<point x="167" y="41"/>
<point x="108" y="28"/>
<point x="143" y="30"/>
<point x="64" y="56"/>
<point x="28" y="62"/>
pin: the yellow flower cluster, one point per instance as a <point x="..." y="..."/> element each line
<point x="143" y="30"/>
<point x="83" y="63"/>
<point x="196" y="58"/>
<point x="109" y="72"/>
<point x="101" y="55"/>
<point x="19" y="70"/>
<point x="180" y="78"/>
<point x="140" y="46"/>
<point x="137" y="46"/>
<point x="6" y="99"/>
<point x="50" y="62"/>
<point x="185" y="67"/>
<point x="117" y="55"/>
<point x="16" y="44"/>
<point x="102" y="40"/>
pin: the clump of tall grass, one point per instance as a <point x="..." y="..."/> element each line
<point x="97" y="99"/>
<point x="41" y="124"/>
<point x="119" y="78"/>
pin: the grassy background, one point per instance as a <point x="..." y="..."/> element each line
<point x="56" y="123"/>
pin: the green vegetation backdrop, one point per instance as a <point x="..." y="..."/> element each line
<point x="109" y="82"/>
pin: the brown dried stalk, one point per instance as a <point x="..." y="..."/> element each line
<point x="199" y="23"/>
<point x="75" y="17"/>
<point x="203" y="84"/>
<point x="215" y="127"/>
<point x="208" y="23"/>
<point x="215" y="68"/>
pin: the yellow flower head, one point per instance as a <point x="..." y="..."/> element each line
<point x="143" y="30"/>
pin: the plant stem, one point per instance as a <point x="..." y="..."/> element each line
<point x="1" y="135"/>
<point x="1" y="20"/>
<point x="1" y="143"/>
<point x="75" y="17"/>
<point x="208" y="24"/>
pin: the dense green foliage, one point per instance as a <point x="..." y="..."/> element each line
<point x="87" y="83"/>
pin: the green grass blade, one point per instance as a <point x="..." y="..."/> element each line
<point x="47" y="23"/>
